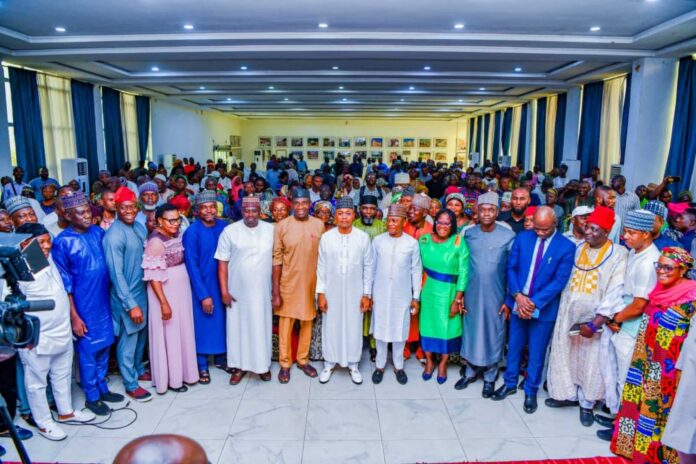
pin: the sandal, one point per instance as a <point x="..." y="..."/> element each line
<point x="308" y="369"/>
<point x="204" y="377"/>
<point x="237" y="377"/>
<point x="224" y="368"/>
<point x="266" y="376"/>
<point x="284" y="376"/>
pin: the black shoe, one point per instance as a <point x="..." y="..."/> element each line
<point x="181" y="389"/>
<point x="521" y="384"/>
<point x="488" y="389"/>
<point x="503" y="392"/>
<point x="604" y="421"/>
<point x="551" y="403"/>
<point x="530" y="404"/>
<point x="605" y="434"/>
<point x="97" y="407"/>
<point x="401" y="377"/>
<point x="377" y="375"/>
<point x="464" y="382"/>
<point x="111" y="397"/>
<point x="586" y="417"/>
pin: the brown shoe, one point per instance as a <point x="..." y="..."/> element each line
<point x="237" y="376"/>
<point x="308" y="369"/>
<point x="284" y="375"/>
<point x="266" y="376"/>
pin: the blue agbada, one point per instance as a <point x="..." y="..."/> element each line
<point x="82" y="265"/>
<point x="200" y="243"/>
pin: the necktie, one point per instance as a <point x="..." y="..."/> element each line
<point x="537" y="265"/>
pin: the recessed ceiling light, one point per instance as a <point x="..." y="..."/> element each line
<point x="154" y="68"/>
<point x="229" y="99"/>
<point x="334" y="68"/>
<point x="285" y="99"/>
<point x="60" y="29"/>
<point x="482" y="88"/>
<point x="595" y="29"/>
<point x="323" y="25"/>
<point x="188" y="27"/>
<point x="345" y="99"/>
<point x="270" y="87"/>
<point x="518" y="69"/>
<point x="460" y="100"/>
<point x="340" y="88"/>
<point x="201" y="87"/>
<point x="459" y="26"/>
<point x="243" y="68"/>
<point x="426" y="68"/>
<point x="412" y="88"/>
<point x="402" y="99"/>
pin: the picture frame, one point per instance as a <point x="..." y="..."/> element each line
<point x="296" y="153"/>
<point x="376" y="142"/>
<point x="406" y="154"/>
<point x="361" y="153"/>
<point x="235" y="141"/>
<point x="376" y="155"/>
<point x="440" y="156"/>
<point x="393" y="155"/>
<point x="312" y="154"/>
<point x="344" y="142"/>
<point x="330" y="154"/>
<point x="461" y="145"/>
<point x="296" y="141"/>
<point x="408" y="142"/>
<point x="440" y="143"/>
<point x="282" y="152"/>
<point x="425" y="143"/>
<point x="393" y="142"/>
<point x="281" y="141"/>
<point x="424" y="155"/>
<point x="265" y="141"/>
<point x="346" y="154"/>
<point x="360" y="141"/>
<point x="312" y="141"/>
<point x="328" y="142"/>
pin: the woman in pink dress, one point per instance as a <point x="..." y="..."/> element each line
<point x="172" y="340"/>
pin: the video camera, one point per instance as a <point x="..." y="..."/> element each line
<point x="17" y="329"/>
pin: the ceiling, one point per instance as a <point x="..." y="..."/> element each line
<point x="387" y="58"/>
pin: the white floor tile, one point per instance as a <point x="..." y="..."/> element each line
<point x="342" y="420"/>
<point x="91" y="449"/>
<point x="492" y="418"/>
<point x="414" y="419"/>
<point x="353" y="452"/>
<point x="574" y="446"/>
<point x="415" y="389"/>
<point x="270" y="420"/>
<point x="297" y="388"/>
<point x="409" y="451"/>
<point x="502" y="448"/>
<point x="257" y="452"/>
<point x="199" y="419"/>
<point x="341" y="387"/>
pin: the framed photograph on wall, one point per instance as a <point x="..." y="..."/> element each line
<point x="235" y="141"/>
<point x="296" y="141"/>
<point x="406" y="154"/>
<point x="440" y="156"/>
<point x="440" y="143"/>
<point x="328" y="142"/>
<point x="361" y="153"/>
<point x="393" y="142"/>
<point x="281" y="141"/>
<point x="409" y="142"/>
<point x="312" y="141"/>
<point x="312" y="154"/>
<point x="346" y="154"/>
<point x="425" y="143"/>
<point x="330" y="154"/>
<point x="360" y="142"/>
<point x="296" y="153"/>
<point x="344" y="142"/>
<point x="281" y="152"/>
<point x="461" y="144"/>
<point x="376" y="142"/>
<point x="424" y="155"/>
<point x="394" y="154"/>
<point x="376" y="155"/>
<point x="264" y="142"/>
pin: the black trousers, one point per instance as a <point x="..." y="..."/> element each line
<point x="8" y="387"/>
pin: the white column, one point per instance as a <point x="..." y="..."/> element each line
<point x="98" y="116"/>
<point x="571" y="127"/>
<point x="653" y="96"/>
<point x="531" y="134"/>
<point x="5" y="157"/>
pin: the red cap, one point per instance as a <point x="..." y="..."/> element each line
<point x="180" y="202"/>
<point x="530" y="211"/>
<point x="603" y="217"/>
<point x="124" y="194"/>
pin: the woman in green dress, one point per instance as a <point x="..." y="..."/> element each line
<point x="445" y="259"/>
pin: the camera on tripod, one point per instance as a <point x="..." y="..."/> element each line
<point x="17" y="329"/>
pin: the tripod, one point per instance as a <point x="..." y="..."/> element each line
<point x="13" y="433"/>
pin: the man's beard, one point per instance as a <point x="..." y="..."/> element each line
<point x="367" y="221"/>
<point x="519" y="211"/>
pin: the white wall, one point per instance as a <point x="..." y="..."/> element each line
<point x="187" y="131"/>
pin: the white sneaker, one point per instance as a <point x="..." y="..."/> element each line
<point x="53" y="432"/>
<point x="356" y="376"/>
<point x="325" y="375"/>
<point x="79" y="416"/>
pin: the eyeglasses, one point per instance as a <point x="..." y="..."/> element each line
<point x="173" y="222"/>
<point x="663" y="267"/>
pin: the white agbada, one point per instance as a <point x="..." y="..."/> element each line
<point x="344" y="275"/>
<point x="398" y="274"/>
<point x="249" y="253"/>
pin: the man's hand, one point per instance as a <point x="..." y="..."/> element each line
<point x="524" y="302"/>
<point x="614" y="326"/>
<point x="504" y="311"/>
<point x="78" y="326"/>
<point x="365" y="303"/>
<point x="276" y="301"/>
<point x="322" y="303"/>
<point x="415" y="307"/>
<point x="207" y="305"/>
<point x="136" y="315"/>
<point x="228" y="299"/>
<point x="166" y="311"/>
<point x="586" y="332"/>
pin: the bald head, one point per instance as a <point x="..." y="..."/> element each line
<point x="544" y="222"/>
<point x="155" y="449"/>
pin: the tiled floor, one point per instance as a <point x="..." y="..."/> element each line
<point x="307" y="422"/>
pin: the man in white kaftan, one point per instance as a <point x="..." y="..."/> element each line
<point x="344" y="287"/>
<point x="245" y="259"/>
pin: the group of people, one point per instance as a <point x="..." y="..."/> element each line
<point x="567" y="284"/>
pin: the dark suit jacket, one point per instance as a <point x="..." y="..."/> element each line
<point x="552" y="275"/>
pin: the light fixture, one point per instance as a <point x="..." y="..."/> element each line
<point x="335" y="68"/>
<point x="459" y="26"/>
<point x="345" y="99"/>
<point x="229" y="99"/>
<point x="323" y="25"/>
<point x="340" y="88"/>
<point x="518" y="69"/>
<point x="595" y="29"/>
<point x="285" y="99"/>
<point x="402" y="99"/>
<point x="270" y="87"/>
<point x="482" y="88"/>
<point x="460" y="100"/>
<point x="412" y="88"/>
<point x="154" y="68"/>
<point x="188" y="27"/>
<point x="201" y="87"/>
<point x="243" y="68"/>
<point x="426" y="68"/>
<point x="60" y="29"/>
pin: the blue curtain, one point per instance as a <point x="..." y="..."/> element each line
<point x="28" y="129"/>
<point x="479" y="121"/>
<point x="624" y="118"/>
<point x="559" y="130"/>
<point x="142" y="110"/>
<point x="486" y="123"/>
<point x="590" y="125"/>
<point x="507" y="131"/>
<point x="496" y="137"/>
<point x="113" y="132"/>
<point x="85" y="125"/>
<point x="523" y="135"/>
<point x="540" y="158"/>
<point x="682" y="147"/>
<point x="472" y="121"/>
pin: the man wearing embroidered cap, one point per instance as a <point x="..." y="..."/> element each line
<point x="148" y="194"/>
<point x="660" y="240"/>
<point x="578" y="363"/>
<point x="123" y="248"/>
<point x="396" y="291"/>
<point x="200" y="242"/>
<point x="576" y="234"/>
<point x="344" y="289"/>
<point x="79" y="255"/>
<point x="20" y="210"/>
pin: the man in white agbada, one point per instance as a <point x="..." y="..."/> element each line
<point x="579" y="362"/>
<point x="245" y="258"/>
<point x="344" y="287"/>
<point x="53" y="356"/>
<point x="398" y="274"/>
<point x="639" y="282"/>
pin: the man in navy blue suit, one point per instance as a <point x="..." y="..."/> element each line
<point x="538" y="268"/>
